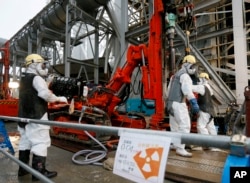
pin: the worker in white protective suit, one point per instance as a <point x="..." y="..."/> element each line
<point x="205" y="121"/>
<point x="180" y="90"/>
<point x="34" y="96"/>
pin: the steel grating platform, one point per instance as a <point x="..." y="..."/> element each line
<point x="204" y="166"/>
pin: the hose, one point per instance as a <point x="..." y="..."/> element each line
<point x="88" y="153"/>
<point x="102" y="153"/>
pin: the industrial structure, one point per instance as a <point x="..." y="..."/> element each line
<point x="89" y="41"/>
<point x="82" y="39"/>
<point x="128" y="50"/>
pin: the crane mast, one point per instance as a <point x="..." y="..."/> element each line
<point x="155" y="63"/>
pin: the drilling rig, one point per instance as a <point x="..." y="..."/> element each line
<point x="99" y="106"/>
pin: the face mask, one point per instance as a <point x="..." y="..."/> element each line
<point x="41" y="69"/>
<point x="190" y="68"/>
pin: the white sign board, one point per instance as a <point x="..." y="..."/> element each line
<point x="142" y="157"/>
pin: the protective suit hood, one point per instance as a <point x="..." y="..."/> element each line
<point x="37" y="69"/>
<point x="203" y="81"/>
<point x="190" y="68"/>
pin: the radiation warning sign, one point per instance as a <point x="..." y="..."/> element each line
<point x="142" y="157"/>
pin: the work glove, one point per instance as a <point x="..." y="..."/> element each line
<point x="49" y="79"/>
<point x="194" y="106"/>
<point x="62" y="100"/>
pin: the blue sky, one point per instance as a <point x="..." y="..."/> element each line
<point x="14" y="14"/>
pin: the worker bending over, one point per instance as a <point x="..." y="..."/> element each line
<point x="180" y="90"/>
<point x="34" y="96"/>
<point x="205" y="122"/>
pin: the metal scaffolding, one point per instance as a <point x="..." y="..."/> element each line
<point x="89" y="40"/>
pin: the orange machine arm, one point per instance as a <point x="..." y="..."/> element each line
<point x="107" y="98"/>
<point x="123" y="76"/>
<point x="152" y="70"/>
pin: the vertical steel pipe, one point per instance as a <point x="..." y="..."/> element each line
<point x="247" y="108"/>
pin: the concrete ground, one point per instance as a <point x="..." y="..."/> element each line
<point x="60" y="160"/>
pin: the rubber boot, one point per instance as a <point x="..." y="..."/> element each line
<point x="38" y="163"/>
<point x="24" y="156"/>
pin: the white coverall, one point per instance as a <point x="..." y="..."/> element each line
<point x="34" y="136"/>
<point x="205" y="124"/>
<point x="180" y="122"/>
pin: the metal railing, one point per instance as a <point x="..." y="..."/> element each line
<point x="218" y="141"/>
<point x="27" y="167"/>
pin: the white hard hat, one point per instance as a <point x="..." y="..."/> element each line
<point x="190" y="59"/>
<point x="204" y="75"/>
<point x="33" y="58"/>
